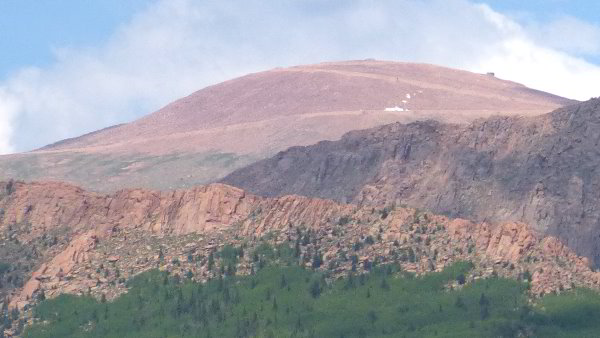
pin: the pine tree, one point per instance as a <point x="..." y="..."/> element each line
<point x="41" y="295"/>
<point x="384" y="284"/>
<point x="483" y="300"/>
<point x="315" y="289"/>
<point x="317" y="260"/>
<point x="367" y="265"/>
<point x="211" y="261"/>
<point x="306" y="239"/>
<point x="231" y="269"/>
<point x="297" y="250"/>
<point x="485" y="312"/>
<point x="411" y="255"/>
<point x="350" y="281"/>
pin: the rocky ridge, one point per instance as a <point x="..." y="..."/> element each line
<point x="113" y="237"/>
<point x="538" y="170"/>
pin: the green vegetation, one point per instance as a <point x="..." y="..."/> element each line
<point x="289" y="301"/>
<point x="4" y="267"/>
<point x="572" y="315"/>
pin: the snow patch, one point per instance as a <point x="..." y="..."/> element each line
<point x="396" y="108"/>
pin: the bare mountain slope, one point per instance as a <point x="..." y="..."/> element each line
<point x="540" y="170"/>
<point x="208" y="134"/>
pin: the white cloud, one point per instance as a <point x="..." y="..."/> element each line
<point x="8" y="109"/>
<point x="568" y="34"/>
<point x="175" y="47"/>
<point x="516" y="56"/>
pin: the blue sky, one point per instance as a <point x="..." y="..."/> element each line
<point x="31" y="29"/>
<point x="69" y="66"/>
<point x="545" y="10"/>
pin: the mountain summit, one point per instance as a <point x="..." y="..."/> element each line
<point x="208" y="134"/>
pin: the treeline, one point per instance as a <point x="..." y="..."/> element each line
<point x="286" y="300"/>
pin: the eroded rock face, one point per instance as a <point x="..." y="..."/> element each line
<point x="83" y="218"/>
<point x="50" y="205"/>
<point x="538" y="170"/>
<point x="91" y="217"/>
<point x="127" y="230"/>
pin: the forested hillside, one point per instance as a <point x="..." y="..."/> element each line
<point x="285" y="300"/>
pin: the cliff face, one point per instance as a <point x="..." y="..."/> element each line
<point x="86" y="218"/>
<point x="50" y="205"/>
<point x="538" y="170"/>
<point x="108" y="237"/>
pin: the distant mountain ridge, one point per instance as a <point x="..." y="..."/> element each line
<point x="208" y="134"/>
<point x="540" y="170"/>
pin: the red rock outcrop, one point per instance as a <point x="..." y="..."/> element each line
<point x="50" y="205"/>
<point x="557" y="266"/>
<point x="507" y="242"/>
<point x="92" y="218"/>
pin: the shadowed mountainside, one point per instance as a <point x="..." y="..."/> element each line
<point x="540" y="170"/>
